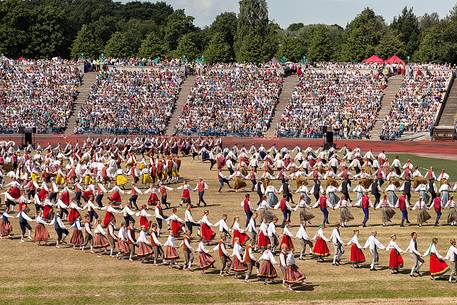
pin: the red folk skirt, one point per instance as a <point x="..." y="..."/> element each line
<point x="170" y="253"/>
<point x="123" y="246"/>
<point x="77" y="238"/>
<point x="285" y="239"/>
<point x="243" y="237"/>
<point x="144" y="249"/>
<point x="395" y="259"/>
<point x="100" y="241"/>
<point x="5" y="228"/>
<point x="41" y="234"/>
<point x="72" y="216"/>
<point x="47" y="212"/>
<point x="267" y="270"/>
<point x="175" y="227"/>
<point x="144" y="222"/>
<point x="357" y="255"/>
<point x="263" y="241"/>
<point x="108" y="217"/>
<point x="437" y="266"/>
<point x="207" y="233"/>
<point x="206" y="260"/>
<point x="321" y="248"/>
<point x="293" y="275"/>
<point x="237" y="265"/>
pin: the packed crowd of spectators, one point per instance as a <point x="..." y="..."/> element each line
<point x="231" y="99"/>
<point x="37" y="93"/>
<point x="343" y="97"/>
<point x="418" y="102"/>
<point x="131" y="101"/>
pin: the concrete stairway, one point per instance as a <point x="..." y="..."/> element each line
<point x="87" y="83"/>
<point x="288" y="87"/>
<point x="449" y="115"/>
<point x="389" y="94"/>
<point x="189" y="82"/>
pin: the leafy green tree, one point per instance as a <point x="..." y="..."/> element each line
<point x="407" y="25"/>
<point x="290" y="47"/>
<point x="362" y="36"/>
<point x="253" y="24"/>
<point x="118" y="46"/>
<point x="427" y="21"/>
<point x="271" y="42"/>
<point x="295" y="27"/>
<point x="136" y="30"/>
<point x="152" y="47"/>
<point x="178" y="24"/>
<point x="218" y="50"/>
<point x="86" y="44"/>
<point x="390" y="44"/>
<point x="187" y="47"/>
<point x="320" y="46"/>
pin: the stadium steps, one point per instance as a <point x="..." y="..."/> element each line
<point x="288" y="87"/>
<point x="449" y="115"/>
<point x="189" y="82"/>
<point x="389" y="94"/>
<point x="87" y="83"/>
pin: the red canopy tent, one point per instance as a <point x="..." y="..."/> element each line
<point x="395" y="60"/>
<point x="374" y="59"/>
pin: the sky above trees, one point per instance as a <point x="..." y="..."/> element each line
<point x="338" y="12"/>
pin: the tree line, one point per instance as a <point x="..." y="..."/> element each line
<point x="90" y="28"/>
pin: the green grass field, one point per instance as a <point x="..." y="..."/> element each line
<point x="32" y="274"/>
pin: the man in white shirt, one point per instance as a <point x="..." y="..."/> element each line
<point x="451" y="256"/>
<point x="373" y="244"/>
<point x="337" y="245"/>
<point x="189" y="220"/>
<point x="417" y="257"/>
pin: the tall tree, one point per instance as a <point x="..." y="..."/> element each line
<point x="187" y="48"/>
<point x="153" y="47"/>
<point x="320" y="46"/>
<point x="118" y="46"/>
<point x="218" y="50"/>
<point x="252" y="24"/>
<point x="86" y="44"/>
<point x="362" y="36"/>
<point x="407" y="26"/>
<point x="390" y="44"/>
<point x="178" y="24"/>
<point x="290" y="48"/>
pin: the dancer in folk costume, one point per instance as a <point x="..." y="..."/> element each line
<point x="417" y="257"/>
<point x="73" y="212"/>
<point x="5" y="226"/>
<point x="237" y="232"/>
<point x="303" y="207"/>
<point x="91" y="207"/>
<point x="60" y="228"/>
<point x="249" y="261"/>
<point x="373" y="244"/>
<point x="452" y="217"/>
<point x="144" y="246"/>
<point x="134" y="192"/>
<point x="122" y="243"/>
<point x="41" y="233"/>
<point x="387" y="210"/>
<point x="175" y="223"/>
<point x="207" y="233"/>
<point x="286" y="238"/>
<point x="437" y="206"/>
<point x="320" y="249"/>
<point x="403" y="205"/>
<point x="100" y="240"/>
<point x="109" y="215"/>
<point x="143" y="214"/>
<point x="356" y="257"/>
<point x="422" y="215"/>
<point x="153" y="197"/>
<point x="156" y="244"/>
<point x="131" y="240"/>
<point x="77" y="238"/>
<point x="438" y="266"/>
<point x="88" y="235"/>
<point x="127" y="213"/>
<point x="395" y="259"/>
<point x="273" y="235"/>
<point x="224" y="256"/>
<point x="292" y="275"/>
<point x="267" y="271"/>
<point x="238" y="265"/>
<point x="223" y="228"/>
<point x="305" y="240"/>
<point x="201" y="188"/>
<point x="286" y="209"/>
<point x="451" y="256"/>
<point x="345" y="214"/>
<point x="23" y="223"/>
<point x="115" y="198"/>
<point x="322" y="203"/>
<point x="251" y="230"/>
<point x="163" y="190"/>
<point x="246" y="205"/>
<point x="111" y="237"/>
<point x="185" y="195"/>
<point x="170" y="250"/>
<point x="188" y="253"/>
<point x="189" y="220"/>
<point x="338" y="245"/>
<point x="205" y="259"/>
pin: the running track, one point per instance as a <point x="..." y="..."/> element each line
<point x="414" y="147"/>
